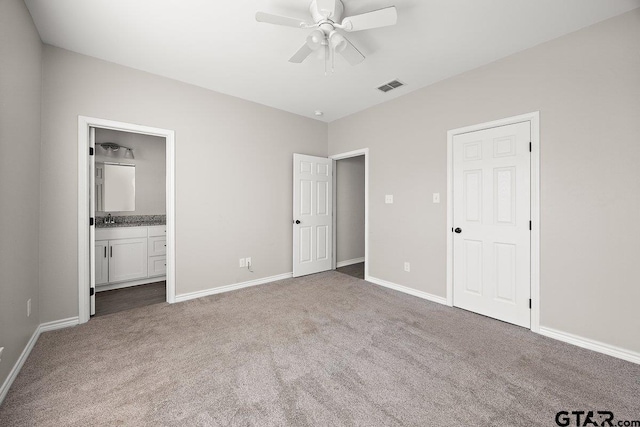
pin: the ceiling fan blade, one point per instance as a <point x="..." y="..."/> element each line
<point x="376" y="19"/>
<point x="351" y="54"/>
<point x="301" y="54"/>
<point x="326" y="8"/>
<point x="280" y="20"/>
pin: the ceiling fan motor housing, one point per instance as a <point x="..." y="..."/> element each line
<point x="319" y="15"/>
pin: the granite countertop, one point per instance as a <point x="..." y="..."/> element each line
<point x="132" y="221"/>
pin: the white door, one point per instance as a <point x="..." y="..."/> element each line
<point x="128" y="259"/>
<point x="491" y="220"/>
<point x="101" y="258"/>
<point x="92" y="214"/>
<point x="312" y="214"/>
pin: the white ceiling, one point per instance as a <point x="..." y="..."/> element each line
<point x="217" y="44"/>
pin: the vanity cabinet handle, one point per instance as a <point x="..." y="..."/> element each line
<point x="105" y="251"/>
<point x="111" y="251"/>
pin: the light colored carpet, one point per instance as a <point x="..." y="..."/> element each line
<point x="326" y="349"/>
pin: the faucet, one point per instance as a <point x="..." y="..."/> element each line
<point x="109" y="219"/>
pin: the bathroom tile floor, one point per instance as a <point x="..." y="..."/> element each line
<point x="117" y="300"/>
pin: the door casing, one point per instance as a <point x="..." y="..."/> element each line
<point x="86" y="239"/>
<point x="534" y="119"/>
<point x="355" y="153"/>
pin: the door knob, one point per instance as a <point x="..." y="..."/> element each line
<point x="297" y="221"/>
<point x="458" y="230"/>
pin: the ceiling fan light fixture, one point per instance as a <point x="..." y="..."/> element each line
<point x="315" y="40"/>
<point x="338" y="42"/>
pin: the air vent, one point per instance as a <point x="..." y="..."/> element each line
<point x="390" y="86"/>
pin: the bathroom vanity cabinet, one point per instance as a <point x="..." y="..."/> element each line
<point x="130" y="256"/>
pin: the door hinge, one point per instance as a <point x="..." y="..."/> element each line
<point x="529" y="303"/>
<point x="92" y="291"/>
<point x="530" y="147"/>
<point x="91" y="221"/>
<point x="91" y="151"/>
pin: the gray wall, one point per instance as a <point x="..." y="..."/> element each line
<point x="150" y="160"/>
<point x="233" y="173"/>
<point x="586" y="86"/>
<point x="20" y="98"/>
<point x="349" y="208"/>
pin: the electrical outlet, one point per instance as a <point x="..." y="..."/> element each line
<point x="243" y="263"/>
<point x="29" y="307"/>
<point x="407" y="267"/>
<point x="1" y="350"/>
<point x="388" y="199"/>
<point x="249" y="262"/>
<point x="436" y="197"/>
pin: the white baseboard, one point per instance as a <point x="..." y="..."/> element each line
<point x="16" y="368"/>
<point x="590" y="344"/>
<point x="406" y="290"/>
<point x="349" y="262"/>
<point x="229" y="288"/>
<point x="58" y="324"/>
<point x="112" y="286"/>
<point x="43" y="327"/>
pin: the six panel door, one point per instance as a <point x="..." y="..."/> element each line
<point x="491" y="216"/>
<point x="312" y="214"/>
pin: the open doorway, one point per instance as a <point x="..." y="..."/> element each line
<point x="134" y="244"/>
<point x="130" y="219"/>
<point x="351" y="213"/>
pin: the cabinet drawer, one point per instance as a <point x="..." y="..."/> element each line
<point x="120" y="233"/>
<point x="157" y="230"/>
<point x="157" y="266"/>
<point x="157" y="246"/>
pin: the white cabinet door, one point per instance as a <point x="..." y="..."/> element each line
<point x="102" y="262"/>
<point x="312" y="214"/>
<point x="127" y="259"/>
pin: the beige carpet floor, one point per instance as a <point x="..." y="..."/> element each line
<point x="327" y="349"/>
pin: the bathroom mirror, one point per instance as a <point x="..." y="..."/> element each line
<point x="115" y="187"/>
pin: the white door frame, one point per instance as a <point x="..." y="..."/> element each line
<point x="534" y="119"/>
<point x="84" y="238"/>
<point x="355" y="153"/>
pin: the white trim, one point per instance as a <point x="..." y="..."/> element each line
<point x="84" y="239"/>
<point x="58" y="324"/>
<point x="534" y="119"/>
<point x="233" y="287"/>
<point x="349" y="262"/>
<point x="355" y="153"/>
<point x="406" y="290"/>
<point x="43" y="327"/>
<point x="18" y="365"/>
<point x="589" y="344"/>
<point x="122" y="285"/>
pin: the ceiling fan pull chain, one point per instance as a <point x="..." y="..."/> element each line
<point x="326" y="59"/>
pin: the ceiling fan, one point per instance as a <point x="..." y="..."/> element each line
<point x="327" y="18"/>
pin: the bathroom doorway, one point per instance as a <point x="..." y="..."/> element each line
<point x="126" y="216"/>
<point x="130" y="219"/>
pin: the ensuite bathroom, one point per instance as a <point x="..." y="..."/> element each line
<point x="130" y="221"/>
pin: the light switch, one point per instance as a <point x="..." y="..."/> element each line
<point x="436" y="197"/>
<point x="388" y="199"/>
